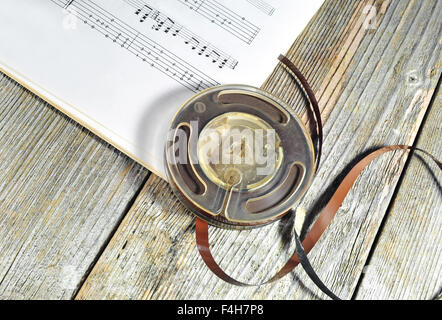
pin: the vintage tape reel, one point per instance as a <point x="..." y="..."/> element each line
<point x="238" y="157"/>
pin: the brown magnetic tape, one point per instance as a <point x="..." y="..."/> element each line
<point x="218" y="197"/>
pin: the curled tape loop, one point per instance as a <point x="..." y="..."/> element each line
<point x="325" y="218"/>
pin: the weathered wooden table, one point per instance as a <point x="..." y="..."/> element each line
<point x="81" y="220"/>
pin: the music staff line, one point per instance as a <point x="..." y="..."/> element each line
<point x="148" y="51"/>
<point x="225" y="18"/>
<point x="152" y="53"/>
<point x="68" y="3"/>
<point x="263" y="6"/>
<point x="170" y="26"/>
<point x="138" y="44"/>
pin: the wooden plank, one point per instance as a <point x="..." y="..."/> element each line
<point x="369" y="98"/>
<point x="62" y="193"/>
<point x="407" y="260"/>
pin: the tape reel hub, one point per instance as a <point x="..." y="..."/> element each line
<point x="229" y="152"/>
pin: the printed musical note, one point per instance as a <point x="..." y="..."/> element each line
<point x="263" y="6"/>
<point x="222" y="16"/>
<point x="214" y="56"/>
<point x="194" y="43"/>
<point x="168" y="25"/>
<point x="138" y="44"/>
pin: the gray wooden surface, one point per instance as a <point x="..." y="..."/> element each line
<point x="80" y="220"/>
<point x="62" y="193"/>
<point x="406" y="262"/>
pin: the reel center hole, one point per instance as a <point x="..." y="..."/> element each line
<point x="239" y="151"/>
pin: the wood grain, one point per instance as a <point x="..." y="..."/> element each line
<point x="375" y="87"/>
<point x="62" y="194"/>
<point x="407" y="260"/>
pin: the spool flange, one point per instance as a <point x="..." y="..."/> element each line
<point x="238" y="157"/>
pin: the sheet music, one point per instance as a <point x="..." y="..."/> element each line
<point x="122" y="68"/>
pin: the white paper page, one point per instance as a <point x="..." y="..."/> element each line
<point x="122" y="68"/>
